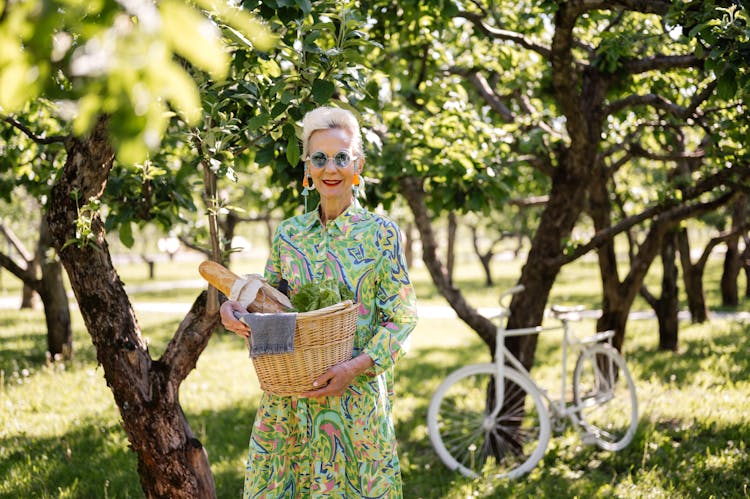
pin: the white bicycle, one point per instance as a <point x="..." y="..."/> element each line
<point x="490" y="420"/>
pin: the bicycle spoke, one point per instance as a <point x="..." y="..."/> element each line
<point x="459" y="429"/>
<point x="605" y="397"/>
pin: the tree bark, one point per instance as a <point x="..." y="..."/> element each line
<point x="692" y="278"/>
<point x="666" y="305"/>
<point x="484" y="258"/>
<point x="171" y="461"/>
<point x="731" y="270"/>
<point x="746" y="263"/>
<point x="50" y="289"/>
<point x="55" y="298"/>
<point x="451" y="253"/>
<point x="565" y="204"/>
<point x="409" y="244"/>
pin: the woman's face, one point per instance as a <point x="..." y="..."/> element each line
<point x="333" y="183"/>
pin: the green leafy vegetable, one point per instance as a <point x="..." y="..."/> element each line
<point x="320" y="294"/>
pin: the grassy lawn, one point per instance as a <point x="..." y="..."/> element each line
<point x="60" y="434"/>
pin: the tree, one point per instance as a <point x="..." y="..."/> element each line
<point x="582" y="93"/>
<point x="120" y="107"/>
<point x="120" y="167"/>
<point x="30" y="161"/>
<point x="732" y="265"/>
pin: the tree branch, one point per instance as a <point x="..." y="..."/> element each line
<point x="654" y="100"/>
<point x="661" y="62"/>
<point x="663" y="211"/>
<point x="193" y="246"/>
<point x="412" y="189"/>
<point x="16" y="243"/>
<point x="479" y="82"/>
<point x="718" y="239"/>
<point x="527" y="106"/>
<point x="644" y="6"/>
<point x="502" y="34"/>
<point x="39" y="139"/>
<point x="189" y="340"/>
<point x="25" y="275"/>
<point x="638" y="151"/>
<point x="529" y="202"/>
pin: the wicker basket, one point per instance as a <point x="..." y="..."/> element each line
<point x="322" y="338"/>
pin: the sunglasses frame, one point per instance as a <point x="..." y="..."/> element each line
<point x="352" y="159"/>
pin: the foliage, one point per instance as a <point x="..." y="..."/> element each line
<point x="248" y="132"/>
<point x="120" y="59"/>
<point x="315" y="295"/>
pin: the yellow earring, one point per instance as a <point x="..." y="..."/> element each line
<point x="306" y="187"/>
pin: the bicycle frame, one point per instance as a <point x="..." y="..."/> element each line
<point x="503" y="357"/>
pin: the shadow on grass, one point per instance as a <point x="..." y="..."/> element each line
<point x="90" y="460"/>
<point x="728" y="349"/>
<point x="23" y="338"/>
<point x="679" y="458"/>
<point x="94" y="460"/>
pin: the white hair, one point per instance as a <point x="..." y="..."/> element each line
<point x="322" y="118"/>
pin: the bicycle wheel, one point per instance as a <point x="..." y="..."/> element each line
<point x="468" y="440"/>
<point x="605" y="396"/>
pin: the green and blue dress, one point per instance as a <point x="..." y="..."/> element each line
<point x="338" y="446"/>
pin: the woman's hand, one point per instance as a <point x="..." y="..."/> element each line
<point x="337" y="379"/>
<point x="230" y="322"/>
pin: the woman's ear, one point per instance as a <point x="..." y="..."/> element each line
<point x="360" y="165"/>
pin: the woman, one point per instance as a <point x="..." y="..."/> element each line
<point x="338" y="439"/>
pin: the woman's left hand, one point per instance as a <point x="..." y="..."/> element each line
<point x="337" y="379"/>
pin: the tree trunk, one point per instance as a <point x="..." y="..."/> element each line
<point x="731" y="270"/>
<point x="666" y="305"/>
<point x="566" y="202"/>
<point x="29" y="297"/>
<point x="692" y="278"/>
<point x="171" y="461"/>
<point x="746" y="264"/>
<point x="55" y="298"/>
<point x="411" y="189"/>
<point x="618" y="296"/>
<point x="451" y="256"/>
<point x="485" y="259"/>
<point x="409" y="244"/>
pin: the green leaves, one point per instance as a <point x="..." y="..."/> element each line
<point x="203" y="48"/>
<point x="292" y="150"/>
<point x="119" y="59"/>
<point x="322" y="90"/>
<point x="726" y="87"/>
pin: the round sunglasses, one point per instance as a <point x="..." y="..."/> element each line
<point x="341" y="159"/>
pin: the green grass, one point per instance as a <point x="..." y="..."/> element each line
<point x="60" y="434"/>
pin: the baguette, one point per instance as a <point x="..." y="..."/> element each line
<point x="268" y="299"/>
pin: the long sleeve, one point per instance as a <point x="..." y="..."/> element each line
<point x="272" y="272"/>
<point x="395" y="301"/>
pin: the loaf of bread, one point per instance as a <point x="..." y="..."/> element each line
<point x="252" y="289"/>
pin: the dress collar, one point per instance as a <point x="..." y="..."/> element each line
<point x="353" y="213"/>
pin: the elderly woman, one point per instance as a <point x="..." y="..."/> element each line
<point x="337" y="440"/>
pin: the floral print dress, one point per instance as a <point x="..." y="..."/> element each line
<point x="338" y="446"/>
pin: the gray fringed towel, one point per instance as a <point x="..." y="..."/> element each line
<point x="270" y="333"/>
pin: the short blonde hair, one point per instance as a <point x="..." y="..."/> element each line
<point x="322" y="118"/>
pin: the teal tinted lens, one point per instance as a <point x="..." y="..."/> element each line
<point x="342" y="159"/>
<point x="318" y="159"/>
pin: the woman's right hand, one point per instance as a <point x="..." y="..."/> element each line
<point x="230" y="322"/>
